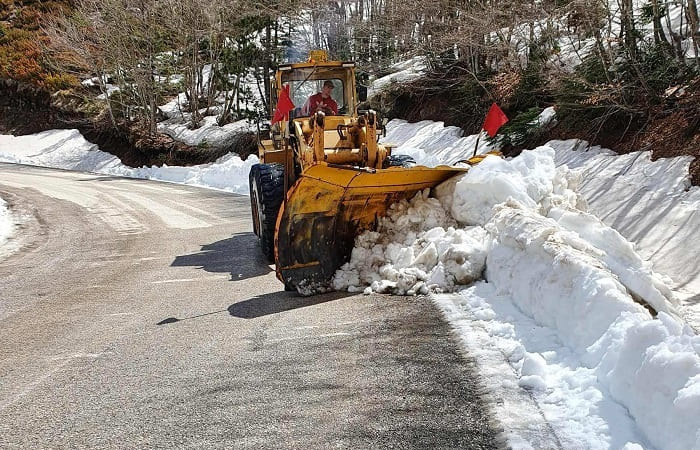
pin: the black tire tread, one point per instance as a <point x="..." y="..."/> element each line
<point x="269" y="182"/>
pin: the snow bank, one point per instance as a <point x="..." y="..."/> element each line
<point x="561" y="282"/>
<point x="64" y="149"/>
<point x="228" y="173"/>
<point x="635" y="385"/>
<point x="649" y="202"/>
<point x="68" y="149"/>
<point x="431" y="143"/>
<point x="418" y="245"/>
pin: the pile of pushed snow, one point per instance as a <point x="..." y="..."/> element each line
<point x="651" y="203"/>
<point x="563" y="300"/>
<point x="419" y="247"/>
<point x="416" y="250"/>
<point x="68" y="149"/>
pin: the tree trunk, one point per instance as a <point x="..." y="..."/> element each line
<point x="659" y="35"/>
<point x="629" y="37"/>
<point x="692" y="12"/>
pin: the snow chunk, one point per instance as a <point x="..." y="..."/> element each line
<point x="415" y="250"/>
<point x="531" y="179"/>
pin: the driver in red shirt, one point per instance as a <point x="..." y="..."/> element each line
<point x="321" y="101"/>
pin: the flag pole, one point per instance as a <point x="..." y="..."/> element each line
<point x="476" y="146"/>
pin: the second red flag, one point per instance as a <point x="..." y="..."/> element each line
<point x="494" y="120"/>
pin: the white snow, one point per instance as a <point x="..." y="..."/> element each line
<point x="402" y="72"/>
<point x="650" y="203"/>
<point x="208" y="134"/>
<point x="95" y="81"/>
<point x="68" y="149"/>
<point x="6" y="223"/>
<point x="547" y="257"/>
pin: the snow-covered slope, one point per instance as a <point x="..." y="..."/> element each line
<point x="68" y="149"/>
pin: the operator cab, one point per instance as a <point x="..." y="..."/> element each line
<point x="307" y="78"/>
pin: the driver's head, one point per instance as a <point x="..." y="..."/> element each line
<point x="327" y="88"/>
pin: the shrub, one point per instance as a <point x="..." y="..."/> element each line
<point x="59" y="82"/>
<point x="519" y="131"/>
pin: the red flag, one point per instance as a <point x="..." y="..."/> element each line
<point x="494" y="120"/>
<point x="284" y="105"/>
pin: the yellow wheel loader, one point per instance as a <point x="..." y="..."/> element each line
<point x="323" y="178"/>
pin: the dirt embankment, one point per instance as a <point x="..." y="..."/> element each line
<point x="24" y="109"/>
<point x="672" y="129"/>
<point x="669" y="129"/>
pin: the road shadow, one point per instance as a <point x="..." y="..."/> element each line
<point x="265" y="305"/>
<point x="238" y="255"/>
<point x="277" y="302"/>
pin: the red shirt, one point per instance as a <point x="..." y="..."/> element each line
<point x="317" y="103"/>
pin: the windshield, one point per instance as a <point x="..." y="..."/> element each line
<point x="305" y="93"/>
<point x="309" y="95"/>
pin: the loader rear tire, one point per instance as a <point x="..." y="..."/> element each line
<point x="398" y="161"/>
<point x="266" y="195"/>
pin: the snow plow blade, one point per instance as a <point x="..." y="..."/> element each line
<point x="328" y="207"/>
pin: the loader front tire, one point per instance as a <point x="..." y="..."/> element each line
<point x="398" y="161"/>
<point x="266" y="195"/>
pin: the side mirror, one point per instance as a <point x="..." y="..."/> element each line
<point x="362" y="93"/>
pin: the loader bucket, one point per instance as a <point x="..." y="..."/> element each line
<point x="328" y="207"/>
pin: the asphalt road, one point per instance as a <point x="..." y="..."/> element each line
<point x="140" y="314"/>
